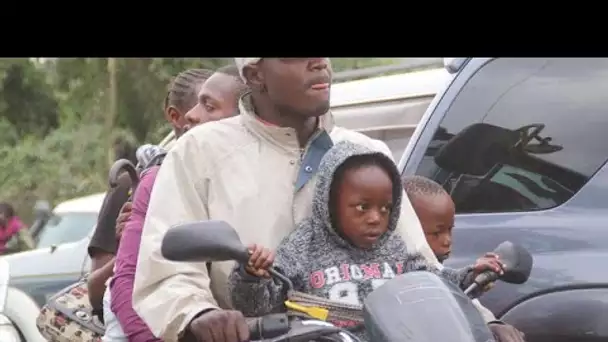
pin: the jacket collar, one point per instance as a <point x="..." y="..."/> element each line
<point x="284" y="137"/>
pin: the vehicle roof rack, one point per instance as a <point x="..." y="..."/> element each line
<point x="410" y="64"/>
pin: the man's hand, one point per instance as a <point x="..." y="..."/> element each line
<point x="506" y="333"/>
<point x="220" y="326"/>
<point x="123" y="217"/>
<point x="260" y="260"/>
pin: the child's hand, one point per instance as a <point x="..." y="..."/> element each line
<point x="260" y="260"/>
<point x="489" y="262"/>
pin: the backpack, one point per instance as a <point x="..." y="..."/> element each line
<point x="68" y="315"/>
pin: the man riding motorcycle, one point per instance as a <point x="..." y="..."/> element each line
<point x="255" y="171"/>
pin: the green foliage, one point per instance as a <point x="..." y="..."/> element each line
<point x="67" y="163"/>
<point x="81" y="86"/>
<point x="27" y="101"/>
<point x="54" y="141"/>
<point x="8" y="133"/>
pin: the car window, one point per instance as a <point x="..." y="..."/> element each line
<point x="395" y="139"/>
<point x="65" y="228"/>
<point x="556" y="106"/>
<point x="391" y="121"/>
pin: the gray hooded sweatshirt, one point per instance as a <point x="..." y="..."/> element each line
<point x="319" y="261"/>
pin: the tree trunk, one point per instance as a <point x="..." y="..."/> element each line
<point x="112" y="105"/>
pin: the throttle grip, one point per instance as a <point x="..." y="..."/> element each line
<point x="255" y="331"/>
<point x="268" y="326"/>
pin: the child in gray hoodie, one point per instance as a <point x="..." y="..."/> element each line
<point x="348" y="247"/>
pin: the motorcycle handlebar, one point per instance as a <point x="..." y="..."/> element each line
<point x="279" y="327"/>
<point x="267" y="327"/>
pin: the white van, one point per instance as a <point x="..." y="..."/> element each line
<point x="387" y="108"/>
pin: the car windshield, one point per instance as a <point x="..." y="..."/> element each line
<point x="66" y="227"/>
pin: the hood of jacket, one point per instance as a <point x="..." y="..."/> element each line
<point x="336" y="156"/>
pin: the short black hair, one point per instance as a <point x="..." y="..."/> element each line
<point x="182" y="92"/>
<point x="232" y="70"/>
<point x="7" y="209"/>
<point x="418" y="185"/>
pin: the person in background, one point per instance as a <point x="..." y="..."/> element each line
<point x="181" y="97"/>
<point x="11" y="227"/>
<point x="218" y="99"/>
<point x="256" y="172"/>
<point x="436" y="211"/>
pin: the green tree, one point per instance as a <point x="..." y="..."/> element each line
<point x="27" y="101"/>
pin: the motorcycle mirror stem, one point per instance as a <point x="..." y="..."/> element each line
<point x="481" y="281"/>
<point x="281" y="277"/>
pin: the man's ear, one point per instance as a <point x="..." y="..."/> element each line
<point x="255" y="77"/>
<point x="172" y="114"/>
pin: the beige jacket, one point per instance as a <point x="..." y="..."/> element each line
<point x="245" y="172"/>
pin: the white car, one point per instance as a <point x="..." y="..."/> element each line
<point x="59" y="260"/>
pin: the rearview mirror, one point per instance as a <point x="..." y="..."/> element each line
<point x="203" y="241"/>
<point x="517" y="267"/>
<point x="518" y="262"/>
<point x="476" y="149"/>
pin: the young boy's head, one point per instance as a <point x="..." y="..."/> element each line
<point x="435" y="210"/>
<point x="364" y="193"/>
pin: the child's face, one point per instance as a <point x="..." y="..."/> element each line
<point x="436" y="214"/>
<point x="364" y="204"/>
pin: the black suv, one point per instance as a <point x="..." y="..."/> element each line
<point x="521" y="145"/>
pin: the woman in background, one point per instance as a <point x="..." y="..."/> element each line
<point x="11" y="226"/>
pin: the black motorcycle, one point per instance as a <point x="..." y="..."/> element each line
<point x="416" y="306"/>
